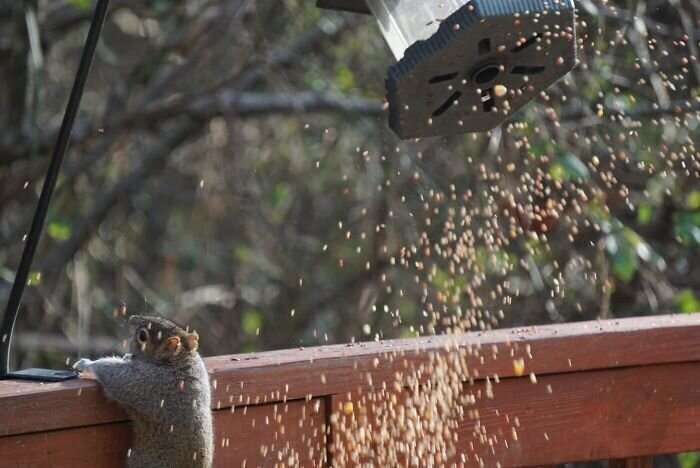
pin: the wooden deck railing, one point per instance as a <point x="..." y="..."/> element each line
<point x="620" y="389"/>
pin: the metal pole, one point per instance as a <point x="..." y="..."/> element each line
<point x="13" y="303"/>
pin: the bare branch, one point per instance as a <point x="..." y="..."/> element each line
<point x="228" y="102"/>
<point x="18" y="147"/>
<point x="147" y="163"/>
<point x="97" y="345"/>
<point x="676" y="108"/>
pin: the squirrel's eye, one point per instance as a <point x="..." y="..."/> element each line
<point x="143" y="336"/>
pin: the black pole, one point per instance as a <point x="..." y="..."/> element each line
<point x="13" y="303"/>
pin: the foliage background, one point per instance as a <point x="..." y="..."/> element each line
<point x="231" y="168"/>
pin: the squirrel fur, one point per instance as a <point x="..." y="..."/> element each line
<point x="164" y="388"/>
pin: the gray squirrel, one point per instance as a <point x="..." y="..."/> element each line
<point x="164" y="388"/>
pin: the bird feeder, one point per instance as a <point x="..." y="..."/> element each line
<point x="466" y="66"/>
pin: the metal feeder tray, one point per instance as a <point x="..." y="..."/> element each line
<point x="481" y="64"/>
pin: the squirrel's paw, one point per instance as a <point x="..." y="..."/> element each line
<point x="82" y="365"/>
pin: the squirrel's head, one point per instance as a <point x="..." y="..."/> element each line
<point x="161" y="339"/>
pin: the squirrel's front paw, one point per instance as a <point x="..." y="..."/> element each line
<point x="82" y="365"/>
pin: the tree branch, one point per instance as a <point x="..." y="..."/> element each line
<point x="59" y="255"/>
<point x="19" y="146"/>
<point x="229" y="102"/>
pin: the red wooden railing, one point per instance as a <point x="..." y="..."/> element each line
<point x="620" y="390"/>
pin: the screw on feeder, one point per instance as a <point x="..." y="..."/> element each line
<point x="466" y="66"/>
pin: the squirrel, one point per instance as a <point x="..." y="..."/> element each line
<point x="164" y="388"/>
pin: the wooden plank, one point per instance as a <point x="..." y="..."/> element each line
<point x="34" y="406"/>
<point x="544" y="350"/>
<point x="271" y="434"/>
<point x="635" y="462"/>
<point x="595" y="415"/>
<point x="284" y="375"/>
<point x="105" y="446"/>
<point x="255" y="436"/>
<point x="591" y="415"/>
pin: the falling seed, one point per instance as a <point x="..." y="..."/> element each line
<point x="499" y="90"/>
<point x="519" y="367"/>
<point x="533" y="377"/>
<point x="348" y="408"/>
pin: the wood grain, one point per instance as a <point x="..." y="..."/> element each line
<point x="105" y="446"/>
<point x="591" y="415"/>
<point x="595" y="415"/>
<point x="36" y="407"/>
<point x="619" y="389"/>
<point x="256" y="436"/>
<point x="300" y="373"/>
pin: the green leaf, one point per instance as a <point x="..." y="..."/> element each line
<point x="687" y="302"/>
<point x="574" y="167"/>
<point x="644" y="213"/>
<point x="279" y="194"/>
<point x="623" y="256"/>
<point x="627" y="239"/>
<point x="82" y="4"/>
<point x="346" y="79"/>
<point x="241" y="253"/>
<point x="557" y="172"/>
<point x="625" y="264"/>
<point x="689" y="459"/>
<point x="34" y="278"/>
<point x="693" y="200"/>
<point x="251" y="321"/>
<point x="687" y="227"/>
<point x="58" y="230"/>
<point x="542" y="148"/>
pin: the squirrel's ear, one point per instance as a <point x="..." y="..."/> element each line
<point x="192" y="341"/>
<point x="172" y="344"/>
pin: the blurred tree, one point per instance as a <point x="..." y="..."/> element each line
<point x="231" y="168"/>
